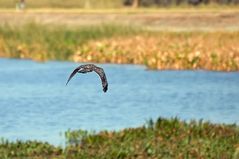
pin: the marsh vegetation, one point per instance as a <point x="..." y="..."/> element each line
<point x="110" y="43"/>
<point x="41" y="42"/>
<point x="163" y="138"/>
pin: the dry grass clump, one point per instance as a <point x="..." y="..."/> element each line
<point x="166" y="50"/>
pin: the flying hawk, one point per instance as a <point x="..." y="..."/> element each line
<point x="89" y="68"/>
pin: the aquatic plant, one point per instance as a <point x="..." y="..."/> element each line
<point x="27" y="149"/>
<point x="163" y="138"/>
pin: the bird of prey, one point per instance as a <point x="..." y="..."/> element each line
<point x="89" y="68"/>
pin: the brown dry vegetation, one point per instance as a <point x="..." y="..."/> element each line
<point x="211" y="51"/>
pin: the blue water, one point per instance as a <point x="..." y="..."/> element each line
<point x="36" y="104"/>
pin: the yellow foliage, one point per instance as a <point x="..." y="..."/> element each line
<point x="211" y="51"/>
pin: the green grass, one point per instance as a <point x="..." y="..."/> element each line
<point x="164" y="138"/>
<point x="42" y="42"/>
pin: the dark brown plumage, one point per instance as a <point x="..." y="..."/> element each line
<point x="89" y="68"/>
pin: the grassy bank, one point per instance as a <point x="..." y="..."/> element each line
<point x="123" y="44"/>
<point x="165" y="138"/>
<point x="41" y="42"/>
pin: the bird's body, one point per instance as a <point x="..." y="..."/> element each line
<point x="89" y="68"/>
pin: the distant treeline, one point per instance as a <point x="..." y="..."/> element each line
<point x="149" y="3"/>
<point x="109" y="3"/>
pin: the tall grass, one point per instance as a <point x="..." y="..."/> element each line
<point x="40" y="42"/>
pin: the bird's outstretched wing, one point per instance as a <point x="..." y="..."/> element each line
<point x="72" y="74"/>
<point x="102" y="75"/>
<point x="89" y="68"/>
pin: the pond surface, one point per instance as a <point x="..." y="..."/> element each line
<point x="36" y="104"/>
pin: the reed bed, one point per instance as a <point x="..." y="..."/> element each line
<point x="217" y="51"/>
<point x="164" y="138"/>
